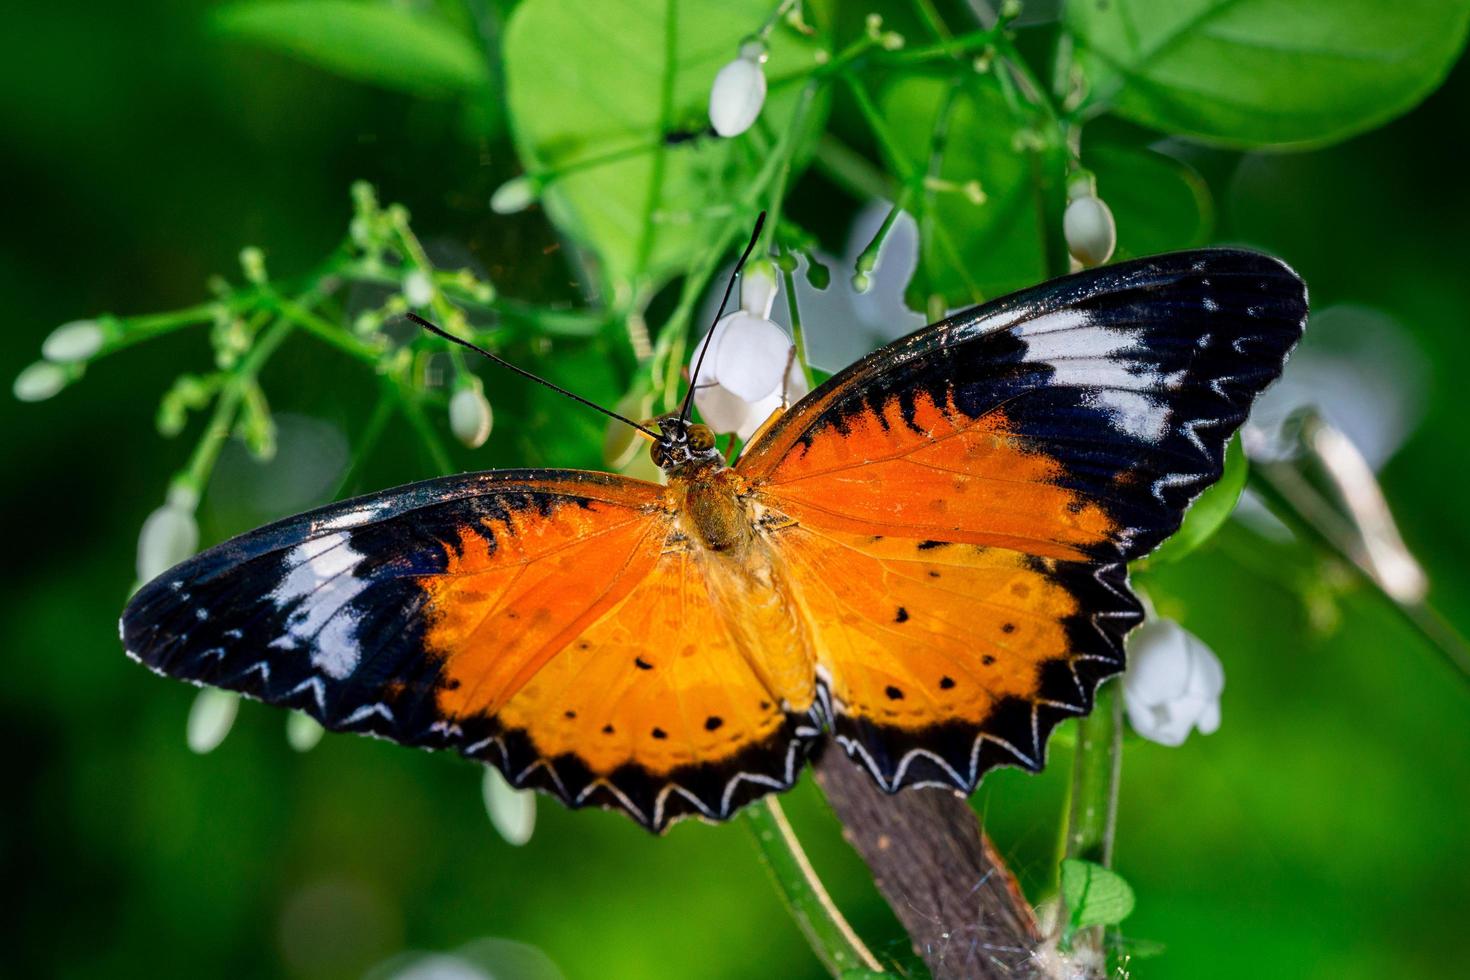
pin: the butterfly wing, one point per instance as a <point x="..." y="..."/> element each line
<point x="530" y="619"/>
<point x="962" y="502"/>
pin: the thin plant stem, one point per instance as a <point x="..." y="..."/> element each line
<point x="831" y="937"/>
<point x="413" y="411"/>
<point x="222" y="420"/>
<point x="1092" y="809"/>
<point x="798" y="336"/>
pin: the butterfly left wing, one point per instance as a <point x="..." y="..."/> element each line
<point x="536" y="620"/>
<point x="959" y="505"/>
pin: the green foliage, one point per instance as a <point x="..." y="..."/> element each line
<point x="971" y="251"/>
<point x="1094" y="895"/>
<point x="384" y="44"/>
<point x="594" y="88"/>
<point x="1264" y="73"/>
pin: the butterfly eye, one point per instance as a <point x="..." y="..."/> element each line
<point x="701" y="438"/>
<point x="656" y="453"/>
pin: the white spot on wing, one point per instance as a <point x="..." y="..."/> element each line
<point x="320" y="585"/>
<point x="1097" y="359"/>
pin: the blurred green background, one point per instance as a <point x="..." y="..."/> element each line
<point x="1320" y="833"/>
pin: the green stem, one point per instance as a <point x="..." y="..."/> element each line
<point x="222" y="420"/>
<point x="830" y="935"/>
<point x="1092" y="813"/>
<point x="413" y="411"/>
<point x="798" y="336"/>
<point x="367" y="442"/>
<point x="325" y="330"/>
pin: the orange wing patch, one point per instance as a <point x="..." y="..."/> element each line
<point x="946" y="659"/>
<point x="943" y="477"/>
<point x="632" y="692"/>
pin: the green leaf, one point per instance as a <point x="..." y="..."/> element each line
<point x="1159" y="203"/>
<point x="382" y="44"/>
<point x="587" y="84"/>
<point x="1094" y="895"/>
<point x="969" y="252"/>
<point x="1265" y="72"/>
<point x="1210" y="510"/>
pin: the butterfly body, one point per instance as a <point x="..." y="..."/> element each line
<point x="924" y="559"/>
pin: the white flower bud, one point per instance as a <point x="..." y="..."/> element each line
<point x="513" y="196"/>
<point x="39" y="381"/>
<point x="512" y="811"/>
<point x="169" y="535"/>
<point x="1091" y="232"/>
<point x="417" y="289"/>
<point x="737" y="95"/>
<point x="210" y="719"/>
<point x="1173" y="684"/>
<point x="470" y="417"/>
<point x="758" y="289"/>
<point x="303" y="731"/>
<point x="74" y="341"/>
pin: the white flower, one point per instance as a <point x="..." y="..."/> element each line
<point x="1173" y="683"/>
<point x="739" y="91"/>
<point x="74" y="341"/>
<point x="725" y="412"/>
<point x="512" y="811"/>
<point x="750" y="366"/>
<point x="169" y="535"/>
<point x="210" y="719"/>
<point x="470" y="417"/>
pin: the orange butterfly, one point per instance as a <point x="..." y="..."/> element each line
<point x="925" y="558"/>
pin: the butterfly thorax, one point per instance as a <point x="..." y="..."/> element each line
<point x="713" y="510"/>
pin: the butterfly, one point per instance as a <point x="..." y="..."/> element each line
<point x="924" y="559"/>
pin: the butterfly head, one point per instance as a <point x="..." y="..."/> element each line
<point x="682" y="444"/>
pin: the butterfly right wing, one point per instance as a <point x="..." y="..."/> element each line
<point x="536" y="620"/>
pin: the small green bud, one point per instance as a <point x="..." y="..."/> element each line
<point x="817" y="273"/>
<point x="252" y="263"/>
<point x="364" y="198"/>
<point x="1081" y="183"/>
<point x="861" y="281"/>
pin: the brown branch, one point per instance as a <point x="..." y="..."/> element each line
<point x="932" y="863"/>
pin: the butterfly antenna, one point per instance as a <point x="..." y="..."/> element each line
<point x="434" y="328"/>
<point x="755" y="234"/>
